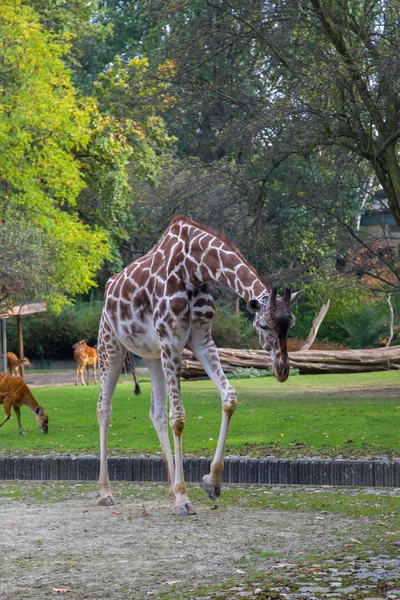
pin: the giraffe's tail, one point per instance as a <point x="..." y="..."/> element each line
<point x="137" y="391"/>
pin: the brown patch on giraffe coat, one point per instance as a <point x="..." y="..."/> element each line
<point x="125" y="311"/>
<point x="203" y="302"/>
<point x="217" y="468"/>
<point x="180" y="488"/>
<point x="174" y="284"/>
<point x="127" y="290"/>
<point x="224" y="280"/>
<point x="141" y="301"/>
<point x="162" y="307"/>
<point x="178" y="305"/>
<point x="162" y="330"/>
<point x="229" y="407"/>
<point x="142" y="277"/>
<point x="150" y="285"/>
<point x="178" y="426"/>
<point x="159" y="288"/>
<point x="112" y="307"/>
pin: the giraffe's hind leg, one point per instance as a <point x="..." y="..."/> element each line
<point x="170" y="360"/>
<point x="159" y="416"/>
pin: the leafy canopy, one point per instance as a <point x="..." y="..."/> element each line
<point x="43" y="126"/>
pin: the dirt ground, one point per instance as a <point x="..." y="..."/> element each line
<point x="56" y="378"/>
<point x="51" y="378"/>
<point x="137" y="548"/>
<point x="68" y="547"/>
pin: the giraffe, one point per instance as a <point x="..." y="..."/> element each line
<point x="158" y="305"/>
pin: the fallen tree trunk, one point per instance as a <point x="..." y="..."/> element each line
<point x="308" y="362"/>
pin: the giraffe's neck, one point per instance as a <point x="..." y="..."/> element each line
<point x="201" y="255"/>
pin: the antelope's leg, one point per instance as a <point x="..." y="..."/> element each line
<point x="82" y="372"/>
<point x="7" y="410"/>
<point x="111" y="357"/>
<point x="17" y="411"/>
<point x="159" y="416"/>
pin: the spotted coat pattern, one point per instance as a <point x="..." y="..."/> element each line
<point x="161" y="303"/>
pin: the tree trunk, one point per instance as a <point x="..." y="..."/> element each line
<point x="387" y="170"/>
<point x="315" y="326"/>
<point x="391" y="322"/>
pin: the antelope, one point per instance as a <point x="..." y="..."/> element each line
<point x="84" y="356"/>
<point x="15" y="393"/>
<point x="14" y="363"/>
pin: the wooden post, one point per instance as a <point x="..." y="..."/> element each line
<point x="315" y="326"/>
<point x="20" y="344"/>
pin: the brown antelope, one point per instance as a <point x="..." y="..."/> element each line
<point x="14" y="363"/>
<point x="15" y="393"/>
<point x="84" y="356"/>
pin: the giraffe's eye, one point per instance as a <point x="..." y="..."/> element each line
<point x="264" y="326"/>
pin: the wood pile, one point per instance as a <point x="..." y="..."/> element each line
<point x="308" y="361"/>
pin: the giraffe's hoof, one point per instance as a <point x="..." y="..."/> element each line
<point x="106" y="501"/>
<point x="183" y="510"/>
<point x="213" y="490"/>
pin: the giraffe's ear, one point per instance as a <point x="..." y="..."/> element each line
<point x="253" y="306"/>
<point x="295" y="297"/>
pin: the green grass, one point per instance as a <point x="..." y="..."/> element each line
<point x="326" y="415"/>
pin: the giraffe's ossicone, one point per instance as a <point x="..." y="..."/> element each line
<point x="161" y="303"/>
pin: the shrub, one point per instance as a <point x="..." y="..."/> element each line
<point x="50" y="336"/>
<point x="231" y="330"/>
<point x="251" y="372"/>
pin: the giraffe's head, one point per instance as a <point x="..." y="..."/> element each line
<point x="272" y="322"/>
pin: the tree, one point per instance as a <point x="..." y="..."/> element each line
<point x="294" y="77"/>
<point x="127" y="135"/>
<point x="24" y="259"/>
<point x="43" y="124"/>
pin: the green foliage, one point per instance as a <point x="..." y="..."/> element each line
<point x="43" y="124"/>
<point x="231" y="330"/>
<point x="249" y="373"/>
<point x="24" y="259"/>
<point x="50" y="336"/>
<point x="366" y="328"/>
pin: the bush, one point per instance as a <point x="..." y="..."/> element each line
<point x="365" y="328"/>
<point x="50" y="337"/>
<point x="251" y="372"/>
<point x="231" y="330"/>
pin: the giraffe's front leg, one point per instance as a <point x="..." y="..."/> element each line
<point x="171" y="367"/>
<point x="212" y="481"/>
<point x="207" y="353"/>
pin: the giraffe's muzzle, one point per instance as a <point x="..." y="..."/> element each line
<point x="281" y="370"/>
